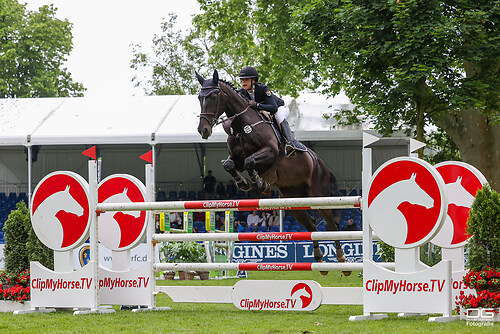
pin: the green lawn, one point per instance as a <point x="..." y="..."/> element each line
<point x="225" y="318"/>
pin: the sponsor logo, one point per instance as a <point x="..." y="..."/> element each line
<point x="275" y="267"/>
<point x="402" y="286"/>
<point x="61" y="284"/>
<point x="221" y="204"/>
<point x="266" y="236"/>
<point x="109" y="283"/>
<point x="301" y="296"/>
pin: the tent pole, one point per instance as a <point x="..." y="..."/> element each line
<point x="153" y="165"/>
<point x="30" y="164"/>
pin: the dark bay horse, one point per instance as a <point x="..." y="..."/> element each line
<point x="254" y="147"/>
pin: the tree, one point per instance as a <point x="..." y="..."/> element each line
<point x="172" y="62"/>
<point x="404" y="63"/>
<point x="33" y="48"/>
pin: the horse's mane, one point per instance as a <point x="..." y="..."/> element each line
<point x="233" y="88"/>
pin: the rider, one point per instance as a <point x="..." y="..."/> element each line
<point x="261" y="98"/>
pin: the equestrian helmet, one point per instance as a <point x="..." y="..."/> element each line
<point x="249" y="72"/>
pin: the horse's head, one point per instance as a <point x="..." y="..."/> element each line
<point x="211" y="102"/>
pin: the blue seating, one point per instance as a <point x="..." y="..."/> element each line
<point x="161" y="196"/>
<point x="200" y="194"/>
<point x="262" y="229"/>
<point x="182" y="194"/>
<point x="343" y="192"/>
<point x="191" y="195"/>
<point x="274" y="229"/>
<point x="172" y="195"/>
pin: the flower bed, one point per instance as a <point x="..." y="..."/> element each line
<point x="17" y="289"/>
<point x="488" y="279"/>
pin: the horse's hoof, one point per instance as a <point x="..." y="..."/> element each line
<point x="324" y="273"/>
<point x="347" y="273"/>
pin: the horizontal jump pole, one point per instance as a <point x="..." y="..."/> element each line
<point x="264" y="236"/>
<point x="238" y="205"/>
<point x="314" y="266"/>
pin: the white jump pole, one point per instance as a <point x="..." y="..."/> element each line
<point x="265" y="236"/>
<point x="261" y="266"/>
<point x="238" y="205"/>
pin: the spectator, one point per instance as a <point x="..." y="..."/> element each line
<point x="263" y="220"/>
<point x="219" y="222"/>
<point x="238" y="226"/>
<point x="350" y="226"/>
<point x="175" y="220"/>
<point x="274" y="219"/>
<point x="231" y="190"/>
<point x="220" y="191"/>
<point x="253" y="220"/>
<point x="209" y="183"/>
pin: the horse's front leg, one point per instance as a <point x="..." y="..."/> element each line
<point x="230" y="167"/>
<point x="263" y="156"/>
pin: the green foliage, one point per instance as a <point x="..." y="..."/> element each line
<point x="16" y="231"/>
<point x="21" y="243"/>
<point x="37" y="251"/>
<point x="172" y="64"/>
<point x="440" y="147"/>
<point x="483" y="248"/>
<point x="429" y="254"/>
<point x="33" y="49"/>
<point x="404" y="64"/>
<point x="183" y="252"/>
<point x="386" y="251"/>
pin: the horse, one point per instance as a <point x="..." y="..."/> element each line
<point x="254" y="147"/>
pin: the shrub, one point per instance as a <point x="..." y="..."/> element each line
<point x="16" y="231"/>
<point x="483" y="225"/>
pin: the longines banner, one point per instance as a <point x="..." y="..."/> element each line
<point x="298" y="252"/>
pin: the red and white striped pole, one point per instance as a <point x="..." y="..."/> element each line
<point x="238" y="205"/>
<point x="314" y="266"/>
<point x="265" y="236"/>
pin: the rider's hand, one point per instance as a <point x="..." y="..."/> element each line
<point x="253" y="104"/>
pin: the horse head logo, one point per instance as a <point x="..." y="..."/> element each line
<point x="304" y="292"/>
<point x="56" y="214"/>
<point x="119" y="229"/>
<point x="459" y="203"/>
<point x="385" y="211"/>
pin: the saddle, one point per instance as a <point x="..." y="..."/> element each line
<point x="277" y="132"/>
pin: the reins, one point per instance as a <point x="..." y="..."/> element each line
<point x="226" y="121"/>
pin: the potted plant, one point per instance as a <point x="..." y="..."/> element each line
<point x="183" y="252"/>
<point x="483" y="252"/>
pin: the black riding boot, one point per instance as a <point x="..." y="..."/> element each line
<point x="287" y="134"/>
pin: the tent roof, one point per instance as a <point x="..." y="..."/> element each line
<point x="147" y="120"/>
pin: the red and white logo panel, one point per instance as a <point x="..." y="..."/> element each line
<point x="121" y="230"/>
<point x="462" y="181"/>
<point x="60" y="210"/>
<point x="277" y="295"/>
<point x="406" y="202"/>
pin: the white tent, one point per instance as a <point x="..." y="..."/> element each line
<point x="123" y="128"/>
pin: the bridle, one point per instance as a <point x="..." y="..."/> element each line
<point x="213" y="119"/>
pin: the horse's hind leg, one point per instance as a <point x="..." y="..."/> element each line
<point x="230" y="167"/>
<point x="303" y="218"/>
<point x="331" y="225"/>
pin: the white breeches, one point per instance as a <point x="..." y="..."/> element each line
<point x="282" y="113"/>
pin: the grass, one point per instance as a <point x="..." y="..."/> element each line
<point x="226" y="318"/>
